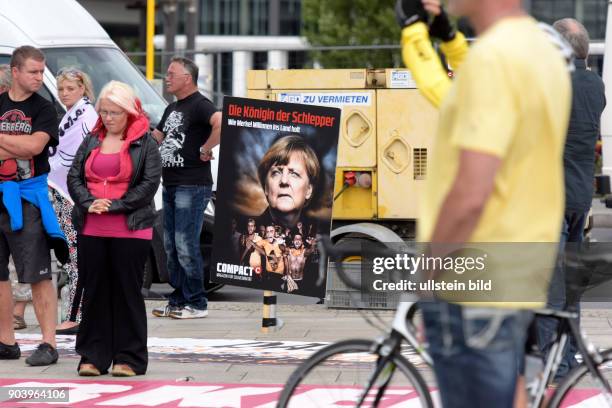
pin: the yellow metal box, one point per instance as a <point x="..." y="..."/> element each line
<point x="387" y="131"/>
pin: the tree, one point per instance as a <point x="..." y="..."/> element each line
<point x="352" y="22"/>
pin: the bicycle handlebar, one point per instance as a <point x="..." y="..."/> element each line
<point x="337" y="254"/>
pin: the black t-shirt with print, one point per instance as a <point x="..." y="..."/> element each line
<point x="186" y="125"/>
<point x="35" y="114"/>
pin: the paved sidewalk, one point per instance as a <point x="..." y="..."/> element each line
<point x="227" y="321"/>
<point x="229" y="347"/>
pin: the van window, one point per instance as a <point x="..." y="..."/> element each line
<point x="44" y="92"/>
<point x="106" y="64"/>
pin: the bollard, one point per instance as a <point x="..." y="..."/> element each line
<point x="602" y="185"/>
<point x="270" y="323"/>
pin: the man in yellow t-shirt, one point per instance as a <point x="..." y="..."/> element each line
<point x="496" y="176"/>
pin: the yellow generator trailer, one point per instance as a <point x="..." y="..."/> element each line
<point x="386" y="138"/>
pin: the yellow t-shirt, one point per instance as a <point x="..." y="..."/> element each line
<point x="511" y="99"/>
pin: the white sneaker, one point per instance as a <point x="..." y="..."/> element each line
<point x="189" y="312"/>
<point x="164" y="311"/>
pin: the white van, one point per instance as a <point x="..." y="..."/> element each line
<point x="70" y="36"/>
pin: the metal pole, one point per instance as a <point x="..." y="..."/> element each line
<point x="170" y="24"/>
<point x="216" y="17"/>
<point x="269" y="322"/>
<point x="579" y="10"/>
<point x="606" y="118"/>
<point x="244" y="17"/>
<point x="274" y="17"/>
<point x="150" y="34"/>
<point x="191" y="27"/>
<point x="142" y="34"/>
<point x="242" y="62"/>
<point x="218" y="77"/>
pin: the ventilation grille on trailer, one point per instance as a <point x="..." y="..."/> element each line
<point x="420" y="163"/>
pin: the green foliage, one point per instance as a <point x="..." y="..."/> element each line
<point x="352" y="22"/>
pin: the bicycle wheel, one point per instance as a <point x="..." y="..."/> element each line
<point x="581" y="388"/>
<point x="338" y="374"/>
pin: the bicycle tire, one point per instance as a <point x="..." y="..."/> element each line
<point x="295" y="392"/>
<point x="575" y="378"/>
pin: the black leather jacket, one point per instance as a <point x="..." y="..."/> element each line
<point x="137" y="202"/>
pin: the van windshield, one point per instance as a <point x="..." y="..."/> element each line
<point x="104" y="65"/>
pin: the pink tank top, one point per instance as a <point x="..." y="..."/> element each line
<point x="110" y="225"/>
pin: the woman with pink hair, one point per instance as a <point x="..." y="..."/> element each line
<point x="113" y="179"/>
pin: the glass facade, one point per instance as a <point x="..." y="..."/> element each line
<point x="592" y="13"/>
<point x="245" y="17"/>
<point x="248" y="17"/>
<point x="265" y="17"/>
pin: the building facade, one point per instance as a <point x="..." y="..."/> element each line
<point x="264" y="20"/>
<point x="250" y="17"/>
<point x="591" y="13"/>
<point x="253" y="28"/>
<point x="243" y="34"/>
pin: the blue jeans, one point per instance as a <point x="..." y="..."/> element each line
<point x="572" y="231"/>
<point x="477" y="353"/>
<point x="183" y="218"/>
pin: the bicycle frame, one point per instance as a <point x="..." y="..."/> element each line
<point x="592" y="357"/>
<point x="401" y="330"/>
<point x="554" y="356"/>
<point x="404" y="327"/>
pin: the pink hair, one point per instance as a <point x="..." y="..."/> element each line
<point x="120" y="94"/>
<point x="123" y="96"/>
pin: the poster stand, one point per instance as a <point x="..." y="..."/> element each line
<point x="269" y="322"/>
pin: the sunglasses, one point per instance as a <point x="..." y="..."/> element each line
<point x="70" y="72"/>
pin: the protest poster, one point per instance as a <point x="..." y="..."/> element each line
<point x="274" y="194"/>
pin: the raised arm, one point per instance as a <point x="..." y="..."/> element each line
<point x="418" y="53"/>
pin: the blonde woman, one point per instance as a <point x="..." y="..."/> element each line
<point x="113" y="180"/>
<point x="76" y="93"/>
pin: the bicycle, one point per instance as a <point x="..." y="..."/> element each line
<point x="375" y="361"/>
<point x="384" y="355"/>
<point x="374" y="364"/>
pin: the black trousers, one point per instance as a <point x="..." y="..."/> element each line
<point x="113" y="327"/>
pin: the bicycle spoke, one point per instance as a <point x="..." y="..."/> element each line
<point x="353" y="377"/>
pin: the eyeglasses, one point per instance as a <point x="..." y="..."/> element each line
<point x="112" y="114"/>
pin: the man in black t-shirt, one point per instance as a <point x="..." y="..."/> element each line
<point x="187" y="132"/>
<point x="28" y="127"/>
<point x="588" y="103"/>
